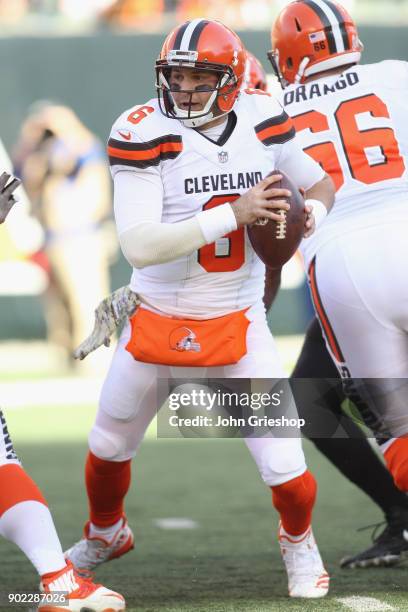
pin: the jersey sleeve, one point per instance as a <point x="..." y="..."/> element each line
<point x="134" y="156"/>
<point x="137" y="198"/>
<point x="137" y="144"/>
<point x="277" y="128"/>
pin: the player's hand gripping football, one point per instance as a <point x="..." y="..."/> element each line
<point x="7" y="199"/>
<point x="256" y="203"/>
<point x="110" y="313"/>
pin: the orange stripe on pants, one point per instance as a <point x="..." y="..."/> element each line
<point x="321" y="313"/>
<point x="16" y="486"/>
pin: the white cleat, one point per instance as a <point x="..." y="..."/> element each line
<point x="307" y="576"/>
<point x="81" y="594"/>
<point x="90" y="552"/>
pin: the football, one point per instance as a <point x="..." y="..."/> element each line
<point x="275" y="242"/>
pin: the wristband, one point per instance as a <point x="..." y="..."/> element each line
<point x="319" y="211"/>
<point x="217" y="222"/>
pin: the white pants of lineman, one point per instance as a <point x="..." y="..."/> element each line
<point x="128" y="403"/>
<point x="360" y="292"/>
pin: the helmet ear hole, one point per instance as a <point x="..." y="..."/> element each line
<point x="289" y="63"/>
<point x="298" y="26"/>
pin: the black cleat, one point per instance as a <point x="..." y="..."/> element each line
<point x="389" y="548"/>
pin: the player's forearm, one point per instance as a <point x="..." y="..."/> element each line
<point x="151" y="243"/>
<point x="323" y="191"/>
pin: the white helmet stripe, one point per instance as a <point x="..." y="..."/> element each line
<point x="185" y="41"/>
<point x="334" y="22"/>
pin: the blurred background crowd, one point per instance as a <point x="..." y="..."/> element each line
<point x="21" y="16"/>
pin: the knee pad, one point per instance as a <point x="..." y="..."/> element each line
<point x="108" y="445"/>
<point x="396" y="458"/>
<point x="278" y="459"/>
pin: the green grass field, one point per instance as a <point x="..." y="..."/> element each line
<point x="231" y="561"/>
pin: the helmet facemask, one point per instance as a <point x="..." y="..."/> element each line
<point x="273" y="57"/>
<point x="214" y="107"/>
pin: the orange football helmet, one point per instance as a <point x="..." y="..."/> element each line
<point x="255" y="75"/>
<point x="201" y="44"/>
<point x="311" y="36"/>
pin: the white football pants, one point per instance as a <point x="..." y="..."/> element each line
<point x="128" y="403"/>
<point x="360" y="292"/>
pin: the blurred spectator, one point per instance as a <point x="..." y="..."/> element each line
<point x="64" y="171"/>
<point x="12" y="11"/>
<point x="237" y="14"/>
<point x="155" y="15"/>
<point x="143" y="14"/>
<point x="191" y="9"/>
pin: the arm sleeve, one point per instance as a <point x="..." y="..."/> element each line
<point x="299" y="166"/>
<point x="144" y="239"/>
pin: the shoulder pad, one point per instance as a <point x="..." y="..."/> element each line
<point x="272" y="124"/>
<point x="140" y="138"/>
<point x="390" y="73"/>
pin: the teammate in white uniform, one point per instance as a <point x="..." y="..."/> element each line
<point x="187" y="171"/>
<point x="25" y="518"/>
<point x="351" y="119"/>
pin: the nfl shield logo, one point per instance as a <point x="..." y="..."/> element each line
<point x="223" y="157"/>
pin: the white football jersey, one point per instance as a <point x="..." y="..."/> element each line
<point x="355" y="125"/>
<point x="191" y="173"/>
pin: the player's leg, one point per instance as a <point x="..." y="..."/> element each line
<point x="127" y="406"/>
<point x="365" y="333"/>
<point x="26" y="521"/>
<point x="351" y="454"/>
<point x="22" y="505"/>
<point x="282" y="465"/>
<point x="365" y="324"/>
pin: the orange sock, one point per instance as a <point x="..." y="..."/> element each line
<point x="396" y="458"/>
<point x="294" y="500"/>
<point x="107" y="483"/>
<point x="16" y="486"/>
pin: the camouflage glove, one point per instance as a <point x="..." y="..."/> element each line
<point x="7" y="200"/>
<point x="118" y="306"/>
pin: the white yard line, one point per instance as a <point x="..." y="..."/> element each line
<point x="175" y="523"/>
<point x="364" y="604"/>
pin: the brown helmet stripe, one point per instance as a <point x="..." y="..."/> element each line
<point x="195" y="36"/>
<point x="325" y="23"/>
<point x="340" y="18"/>
<point x="179" y="35"/>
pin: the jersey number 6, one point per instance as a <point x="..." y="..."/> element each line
<point x="227" y="253"/>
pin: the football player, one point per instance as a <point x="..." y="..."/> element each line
<point x="352" y="454"/>
<point x="24" y="515"/>
<point x="188" y="170"/>
<point x="351" y="119"/>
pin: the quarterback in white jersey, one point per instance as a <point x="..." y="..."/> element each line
<point x="181" y="173"/>
<point x="188" y="172"/>
<point x="351" y="118"/>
